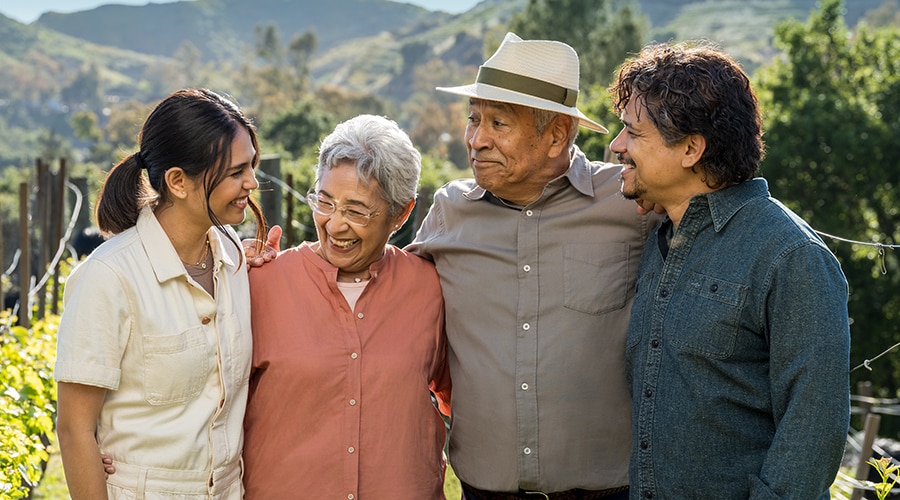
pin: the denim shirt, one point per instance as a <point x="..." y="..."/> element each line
<point x="738" y="355"/>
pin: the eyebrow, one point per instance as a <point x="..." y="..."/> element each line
<point x="630" y="124"/>
<point x="240" y="166"/>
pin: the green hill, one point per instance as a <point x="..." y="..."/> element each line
<point x="224" y="29"/>
<point x="143" y="52"/>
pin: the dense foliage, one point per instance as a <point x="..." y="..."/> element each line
<point x="832" y="117"/>
<point x="27" y="403"/>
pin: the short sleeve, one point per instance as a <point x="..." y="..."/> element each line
<point x="94" y="328"/>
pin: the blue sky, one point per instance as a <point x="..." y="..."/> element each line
<point x="27" y="11"/>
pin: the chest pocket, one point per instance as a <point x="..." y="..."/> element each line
<point x="176" y="367"/>
<point x="596" y="277"/>
<point x="706" y="319"/>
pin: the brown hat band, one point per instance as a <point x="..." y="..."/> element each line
<point x="527" y="85"/>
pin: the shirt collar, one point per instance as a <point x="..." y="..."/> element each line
<point x="724" y="203"/>
<point x="330" y="270"/>
<point x="578" y="174"/>
<point x="162" y="255"/>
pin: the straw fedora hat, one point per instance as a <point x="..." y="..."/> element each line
<point x="539" y="74"/>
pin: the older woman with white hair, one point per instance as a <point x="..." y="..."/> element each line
<point x="349" y="338"/>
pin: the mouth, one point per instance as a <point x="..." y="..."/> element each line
<point x="627" y="163"/>
<point x="480" y="162"/>
<point x="343" y="244"/>
<point x="241" y="202"/>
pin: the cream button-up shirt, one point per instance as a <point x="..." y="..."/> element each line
<point x="175" y="360"/>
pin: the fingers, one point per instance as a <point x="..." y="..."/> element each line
<point x="273" y="239"/>
<point x="107" y="462"/>
<point x="269" y="252"/>
<point x="645" y="207"/>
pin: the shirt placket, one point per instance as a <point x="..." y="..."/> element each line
<point x="526" y="348"/>
<point x="672" y="267"/>
<point x="351" y="401"/>
<point x="207" y="316"/>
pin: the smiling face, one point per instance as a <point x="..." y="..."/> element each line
<point x="507" y="155"/>
<point x="352" y="248"/>
<point x="666" y="175"/>
<point x="651" y="167"/>
<point x="228" y="200"/>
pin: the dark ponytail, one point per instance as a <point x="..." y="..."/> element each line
<point x="123" y="194"/>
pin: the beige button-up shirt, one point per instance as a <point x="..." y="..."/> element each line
<point x="538" y="301"/>
<point x="176" y="361"/>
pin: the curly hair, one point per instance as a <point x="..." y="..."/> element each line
<point x="690" y="89"/>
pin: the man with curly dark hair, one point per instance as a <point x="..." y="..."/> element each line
<point x="738" y="347"/>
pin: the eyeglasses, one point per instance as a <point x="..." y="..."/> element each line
<point x="358" y="216"/>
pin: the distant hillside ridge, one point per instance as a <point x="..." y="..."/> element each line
<point x="224" y="29"/>
<point x="377" y="46"/>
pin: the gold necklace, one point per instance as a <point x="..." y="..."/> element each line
<point x="201" y="264"/>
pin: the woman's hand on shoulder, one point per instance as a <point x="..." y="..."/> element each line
<point x="272" y="246"/>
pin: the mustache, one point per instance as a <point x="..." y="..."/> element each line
<point x="621" y="158"/>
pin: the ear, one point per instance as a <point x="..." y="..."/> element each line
<point x="400" y="218"/>
<point x="694" y="146"/>
<point x="177" y="182"/>
<point x="558" y="131"/>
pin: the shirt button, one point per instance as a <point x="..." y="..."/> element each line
<point x="654" y="343"/>
<point x="352" y="402"/>
<point x="524" y="387"/>
<point x="648" y="393"/>
<point x="527" y="451"/>
<point x="350" y="449"/>
<point x="664" y="293"/>
<point x="713" y="288"/>
<point x="360" y="315"/>
<point x="354" y="356"/>
<point x="526" y="326"/>
<point x="350" y="496"/>
<point x="529" y="213"/>
<point x="526" y="268"/>
<point x="644" y="445"/>
<point x="205" y="320"/>
<point x="648" y="494"/>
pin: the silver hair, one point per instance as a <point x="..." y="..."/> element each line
<point x="543" y="117"/>
<point x="381" y="152"/>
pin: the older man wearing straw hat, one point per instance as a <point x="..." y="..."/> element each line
<point x="537" y="257"/>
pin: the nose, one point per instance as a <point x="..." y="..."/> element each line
<point x="336" y="221"/>
<point x="250" y="181"/>
<point x="618" y="144"/>
<point x="477" y="137"/>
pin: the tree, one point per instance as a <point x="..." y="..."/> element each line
<point x="85" y="127"/>
<point x="299" y="53"/>
<point x="189" y="63"/>
<point x="298" y="128"/>
<point x="603" y="32"/>
<point x="832" y="116"/>
<point x="273" y="83"/>
<point x="84" y="90"/>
